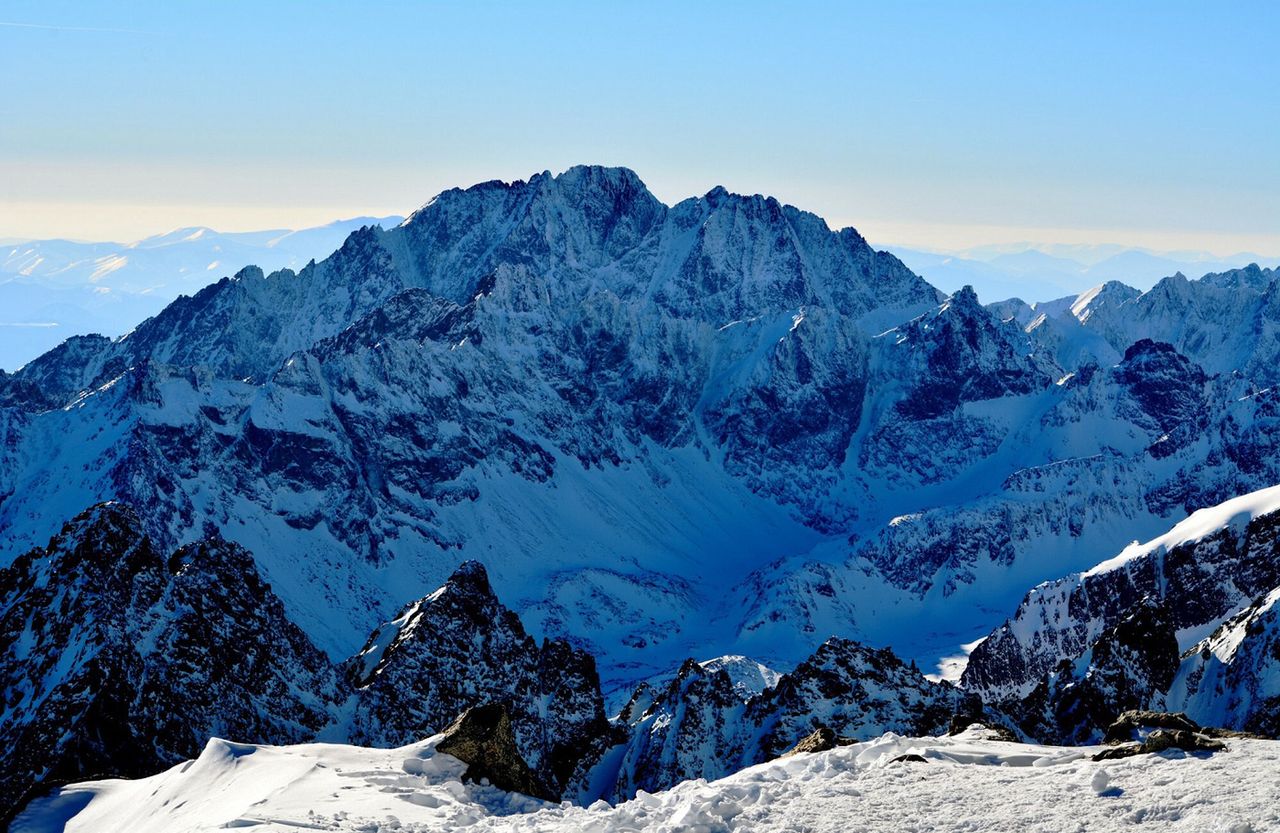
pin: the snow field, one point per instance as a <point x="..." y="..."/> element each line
<point x="969" y="782"/>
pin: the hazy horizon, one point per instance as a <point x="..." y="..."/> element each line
<point x="1006" y="238"/>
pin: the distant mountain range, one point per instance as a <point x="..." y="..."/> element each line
<point x="53" y="289"/>
<point x="1038" y="272"/>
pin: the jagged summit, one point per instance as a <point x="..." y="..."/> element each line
<point x="470" y="578"/>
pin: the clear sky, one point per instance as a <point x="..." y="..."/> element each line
<point x="944" y="124"/>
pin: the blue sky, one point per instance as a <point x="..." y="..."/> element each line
<point x="943" y="124"/>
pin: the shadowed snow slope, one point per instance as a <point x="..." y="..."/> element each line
<point x="967" y="782"/>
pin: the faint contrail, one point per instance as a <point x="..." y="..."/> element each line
<point x="75" y="28"/>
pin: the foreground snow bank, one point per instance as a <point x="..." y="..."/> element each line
<point x="968" y="782"/>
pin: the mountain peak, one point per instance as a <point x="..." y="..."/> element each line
<point x="470" y="578"/>
<point x="600" y="175"/>
<point x="965" y="296"/>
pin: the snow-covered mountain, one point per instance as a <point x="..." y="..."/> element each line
<point x="119" y="661"/>
<point x="1226" y="321"/>
<point x="669" y="432"/>
<point x="52" y="289"/>
<point x="638" y="416"/>
<point x="699" y="725"/>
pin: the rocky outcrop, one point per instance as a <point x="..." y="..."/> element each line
<point x="482" y="738"/>
<point x="822" y="739"/>
<point x="1167" y="387"/>
<point x="1140" y="732"/>
<point x="1134" y="724"/>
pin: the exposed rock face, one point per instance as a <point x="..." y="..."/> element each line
<point x="1168" y="387"/>
<point x="482" y="738"/>
<point x="1132" y="725"/>
<point x="1129" y="667"/>
<point x="957" y="354"/>
<point x="459" y="648"/>
<point x="1145" y="733"/>
<point x="858" y="691"/>
<point x="116" y="660"/>
<point x="693" y="726"/>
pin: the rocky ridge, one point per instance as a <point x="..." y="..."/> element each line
<point x="1180" y="623"/>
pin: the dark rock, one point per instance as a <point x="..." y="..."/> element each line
<point x="822" y="739"/>
<point x="1125" y="750"/>
<point x="1161" y="740"/>
<point x="1129" y="726"/>
<point x="1166" y="385"/>
<point x="482" y="738"/>
<point x="909" y="758"/>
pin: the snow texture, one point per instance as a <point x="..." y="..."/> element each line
<point x="964" y="783"/>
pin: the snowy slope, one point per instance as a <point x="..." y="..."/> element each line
<point x="968" y="782"/>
